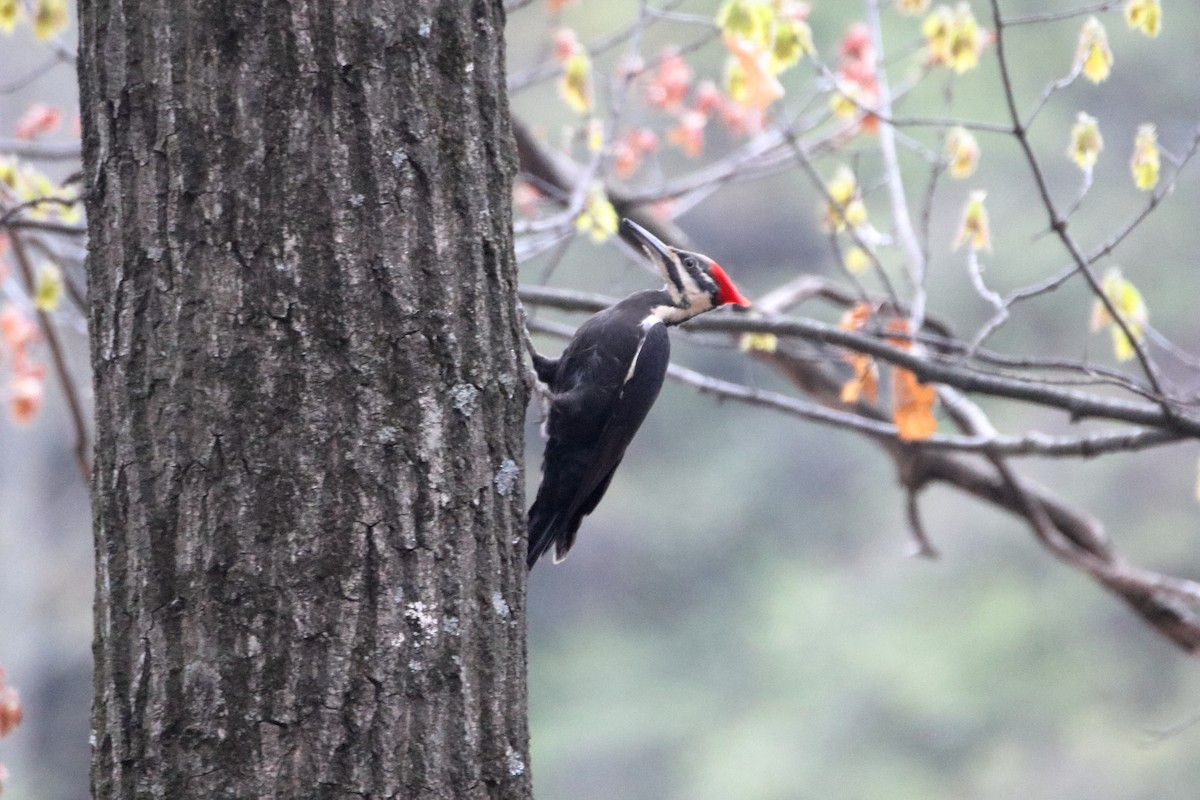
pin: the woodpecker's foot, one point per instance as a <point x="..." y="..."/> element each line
<point x="543" y="368"/>
<point x="531" y="377"/>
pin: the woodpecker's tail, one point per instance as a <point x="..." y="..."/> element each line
<point x="544" y="532"/>
<point x="555" y="516"/>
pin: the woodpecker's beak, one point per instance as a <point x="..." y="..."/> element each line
<point x="659" y="253"/>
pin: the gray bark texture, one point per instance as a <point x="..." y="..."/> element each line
<point x="309" y="400"/>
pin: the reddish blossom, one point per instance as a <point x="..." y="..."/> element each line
<point x="669" y="85"/>
<point x="630" y="149"/>
<point x="526" y="198"/>
<point x="644" y="139"/>
<point x="37" y="120"/>
<point x="663" y="209"/>
<point x="566" y="44"/>
<point x="688" y="135"/>
<point x="26" y="392"/>
<point x="857" y="78"/>
<point x="856" y="44"/>
<point x="17" y="332"/>
<point x="709" y="98"/>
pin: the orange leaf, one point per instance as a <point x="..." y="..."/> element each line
<point x="912" y="406"/>
<point x="757" y="86"/>
<point x="856" y="318"/>
<point x="900" y="326"/>
<point x="865" y="383"/>
<point x="912" y="401"/>
<point x="688" y="135"/>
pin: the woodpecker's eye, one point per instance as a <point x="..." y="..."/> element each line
<point x="689" y="262"/>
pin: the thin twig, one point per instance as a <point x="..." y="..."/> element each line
<point x="923" y="546"/>
<point x="855" y="234"/>
<point x="1031" y="444"/>
<point x="901" y="221"/>
<point x="1057" y="223"/>
<point x="41" y="151"/>
<point x="14" y="211"/>
<point x="29" y="77"/>
<point x="1052" y="282"/>
<point x="45" y="226"/>
<point x="928" y="367"/>
<point x="1055" y="16"/>
<point x="74" y="406"/>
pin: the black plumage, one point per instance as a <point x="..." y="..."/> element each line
<point x="592" y="422"/>
<point x="603" y="385"/>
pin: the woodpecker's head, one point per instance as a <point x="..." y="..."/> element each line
<point x="695" y="282"/>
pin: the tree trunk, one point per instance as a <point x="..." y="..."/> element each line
<point x="309" y="400"/>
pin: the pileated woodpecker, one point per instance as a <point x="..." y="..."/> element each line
<point x="604" y="383"/>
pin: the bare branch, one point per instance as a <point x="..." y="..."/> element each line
<point x="1107" y="248"/>
<point x="599" y="46"/>
<point x="45" y="226"/>
<point x="1055" y="16"/>
<point x="37" y="202"/>
<point x="928" y="367"/>
<point x="1057" y="222"/>
<point x="922" y="545"/>
<point x="861" y="420"/>
<point x="946" y="123"/>
<point x="901" y="221"/>
<point x="41" y="151"/>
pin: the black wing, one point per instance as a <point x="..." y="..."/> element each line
<point x="589" y="430"/>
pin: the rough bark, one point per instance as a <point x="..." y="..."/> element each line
<point x="307" y="489"/>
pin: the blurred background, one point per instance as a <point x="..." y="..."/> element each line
<point x="740" y="619"/>
<point x="46" y="576"/>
